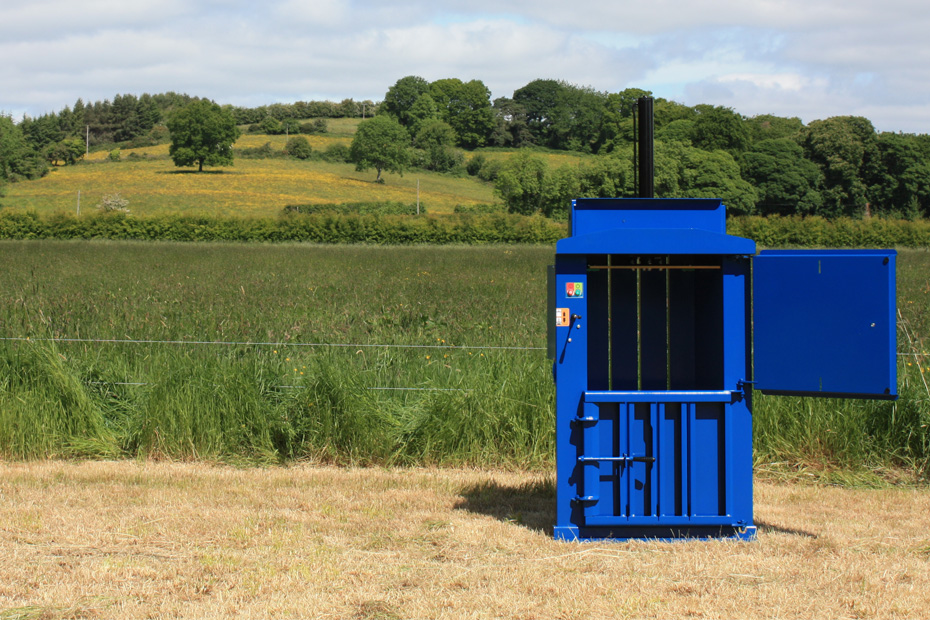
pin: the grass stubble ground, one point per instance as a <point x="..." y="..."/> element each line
<point x="147" y="539"/>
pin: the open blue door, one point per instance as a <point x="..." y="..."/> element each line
<point x="824" y="323"/>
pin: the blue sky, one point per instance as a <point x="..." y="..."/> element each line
<point x="806" y="58"/>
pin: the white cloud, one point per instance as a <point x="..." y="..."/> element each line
<point x="789" y="57"/>
<point x="791" y="82"/>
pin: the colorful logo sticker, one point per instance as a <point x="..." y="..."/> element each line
<point x="574" y="289"/>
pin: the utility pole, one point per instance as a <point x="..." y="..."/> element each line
<point x="418" y="196"/>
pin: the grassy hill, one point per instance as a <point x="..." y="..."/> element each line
<point x="252" y="187"/>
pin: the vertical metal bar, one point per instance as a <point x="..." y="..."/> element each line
<point x="610" y="326"/>
<point x="628" y="467"/>
<point x="687" y="459"/>
<point x="668" y="326"/>
<point x="639" y="329"/>
<point x="655" y="475"/>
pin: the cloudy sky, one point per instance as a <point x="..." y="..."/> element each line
<point x="806" y="58"/>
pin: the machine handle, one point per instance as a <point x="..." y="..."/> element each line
<point x="635" y="459"/>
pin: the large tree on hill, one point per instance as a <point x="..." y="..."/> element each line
<point x="564" y="116"/>
<point x="202" y="134"/>
<point x="466" y="107"/>
<point x="400" y="98"/>
<point x="380" y="143"/>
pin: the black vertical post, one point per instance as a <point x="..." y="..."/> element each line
<point x="646" y="135"/>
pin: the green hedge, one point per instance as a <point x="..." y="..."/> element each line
<point x="817" y="232"/>
<point x="359" y="208"/>
<point x="468" y="228"/>
<point x="318" y="228"/>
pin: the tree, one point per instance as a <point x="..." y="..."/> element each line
<point x="400" y="98"/>
<point x="618" y="117"/>
<point x="510" y="124"/>
<point x="845" y="148"/>
<point x="539" y="99"/>
<point x="522" y="183"/>
<point x="271" y="126"/>
<point x="380" y="143"/>
<point x="68" y="152"/>
<point x="901" y="183"/>
<point x="683" y="171"/>
<point x="716" y="175"/>
<point x="435" y="143"/>
<point x="202" y="133"/>
<point x="680" y="130"/>
<point x="18" y="160"/>
<point x="718" y="128"/>
<point x="466" y="107"/>
<point x="423" y="110"/>
<point x="770" y="127"/>
<point x="787" y="183"/>
<point x="298" y="147"/>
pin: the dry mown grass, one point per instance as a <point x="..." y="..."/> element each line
<point x="155" y="540"/>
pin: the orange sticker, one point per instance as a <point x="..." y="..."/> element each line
<point x="561" y="317"/>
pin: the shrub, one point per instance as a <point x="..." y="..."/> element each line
<point x="485" y="208"/>
<point x="359" y="208"/>
<point x="256" y="152"/>
<point x="298" y="147"/>
<point x="315" y="126"/>
<point x="484" y="168"/>
<point x="113" y="203"/>
<point x="336" y="153"/>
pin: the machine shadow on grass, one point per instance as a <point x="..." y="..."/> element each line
<point x="768" y="528"/>
<point x="531" y="504"/>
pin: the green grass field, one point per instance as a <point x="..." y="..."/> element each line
<point x="454" y="396"/>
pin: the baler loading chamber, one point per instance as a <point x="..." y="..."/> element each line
<point x="655" y="323"/>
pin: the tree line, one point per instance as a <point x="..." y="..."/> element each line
<point x="30" y="145"/>
<point x="766" y="164"/>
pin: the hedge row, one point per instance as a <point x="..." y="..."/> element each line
<point x="317" y="228"/>
<point x="817" y="232"/>
<point x="359" y="208"/>
<point x="468" y="228"/>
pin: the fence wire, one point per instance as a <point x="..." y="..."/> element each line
<point x="300" y="344"/>
<point x="271" y="344"/>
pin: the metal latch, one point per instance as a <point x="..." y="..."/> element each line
<point x="586" y="499"/>
<point x="624" y="459"/>
<point x="585" y="420"/>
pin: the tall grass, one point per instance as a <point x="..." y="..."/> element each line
<point x="264" y="396"/>
<point x="239" y="401"/>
